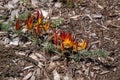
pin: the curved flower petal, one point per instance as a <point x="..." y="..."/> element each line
<point x="39" y="21"/>
<point x="84" y="44"/>
<point x="68" y="43"/>
<point x="46" y="26"/>
<point x="62" y="46"/>
<point x="29" y="23"/>
<point x="55" y="37"/>
<point x="62" y="35"/>
<point x="41" y="15"/>
<point x="37" y="14"/>
<point x="17" y="25"/>
<point x="38" y="29"/>
<point x="75" y="47"/>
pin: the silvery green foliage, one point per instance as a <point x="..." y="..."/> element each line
<point x="48" y="46"/>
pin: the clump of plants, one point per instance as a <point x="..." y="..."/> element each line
<point x="51" y="39"/>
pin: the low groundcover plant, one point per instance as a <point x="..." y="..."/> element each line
<point x="59" y="40"/>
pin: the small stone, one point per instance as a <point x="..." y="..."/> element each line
<point x="118" y="19"/>
<point x="58" y="5"/>
<point x="15" y="1"/>
<point x="45" y="13"/>
<point x="87" y="71"/>
<point x="79" y="72"/>
<point x="33" y="56"/>
<point x="11" y="78"/>
<point x="92" y="74"/>
<point x="6" y="41"/>
<point x="40" y="57"/>
<point x="21" y="43"/>
<point x="40" y="65"/>
<point x="75" y="17"/>
<point x="14" y="35"/>
<point x="88" y="64"/>
<point x="20" y="53"/>
<point x="28" y="43"/>
<point x="96" y="68"/>
<point x="7" y="46"/>
<point x="3" y="33"/>
<point x="52" y="65"/>
<point x="27" y="76"/>
<point x="56" y="76"/>
<point x="24" y="30"/>
<point x="66" y="78"/>
<point x="104" y="72"/>
<point x="14" y="42"/>
<point x="34" y="3"/>
<point x="43" y="1"/>
<point x="96" y="16"/>
<point x="38" y="72"/>
<point x="33" y="77"/>
<point x="92" y="34"/>
<point x="114" y="69"/>
<point x="54" y="58"/>
<point x="14" y="14"/>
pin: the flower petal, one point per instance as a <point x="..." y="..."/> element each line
<point x="84" y="44"/>
<point x="39" y="21"/>
<point x="68" y="43"/>
<point x="37" y="14"/>
<point x="37" y="29"/>
<point x="17" y="27"/>
<point x="62" y="46"/>
<point x="63" y="35"/>
<point x="46" y="26"/>
<point x="55" y="37"/>
<point x="29" y="23"/>
<point x="41" y="15"/>
<point x="76" y="47"/>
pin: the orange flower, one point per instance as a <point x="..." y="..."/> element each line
<point x="84" y="44"/>
<point x="67" y="41"/>
<point x="29" y="23"/>
<point x="17" y="27"/>
<point x="46" y="26"/>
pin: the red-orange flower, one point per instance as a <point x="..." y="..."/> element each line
<point x="17" y="26"/>
<point x="68" y="43"/>
<point x="67" y="40"/>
